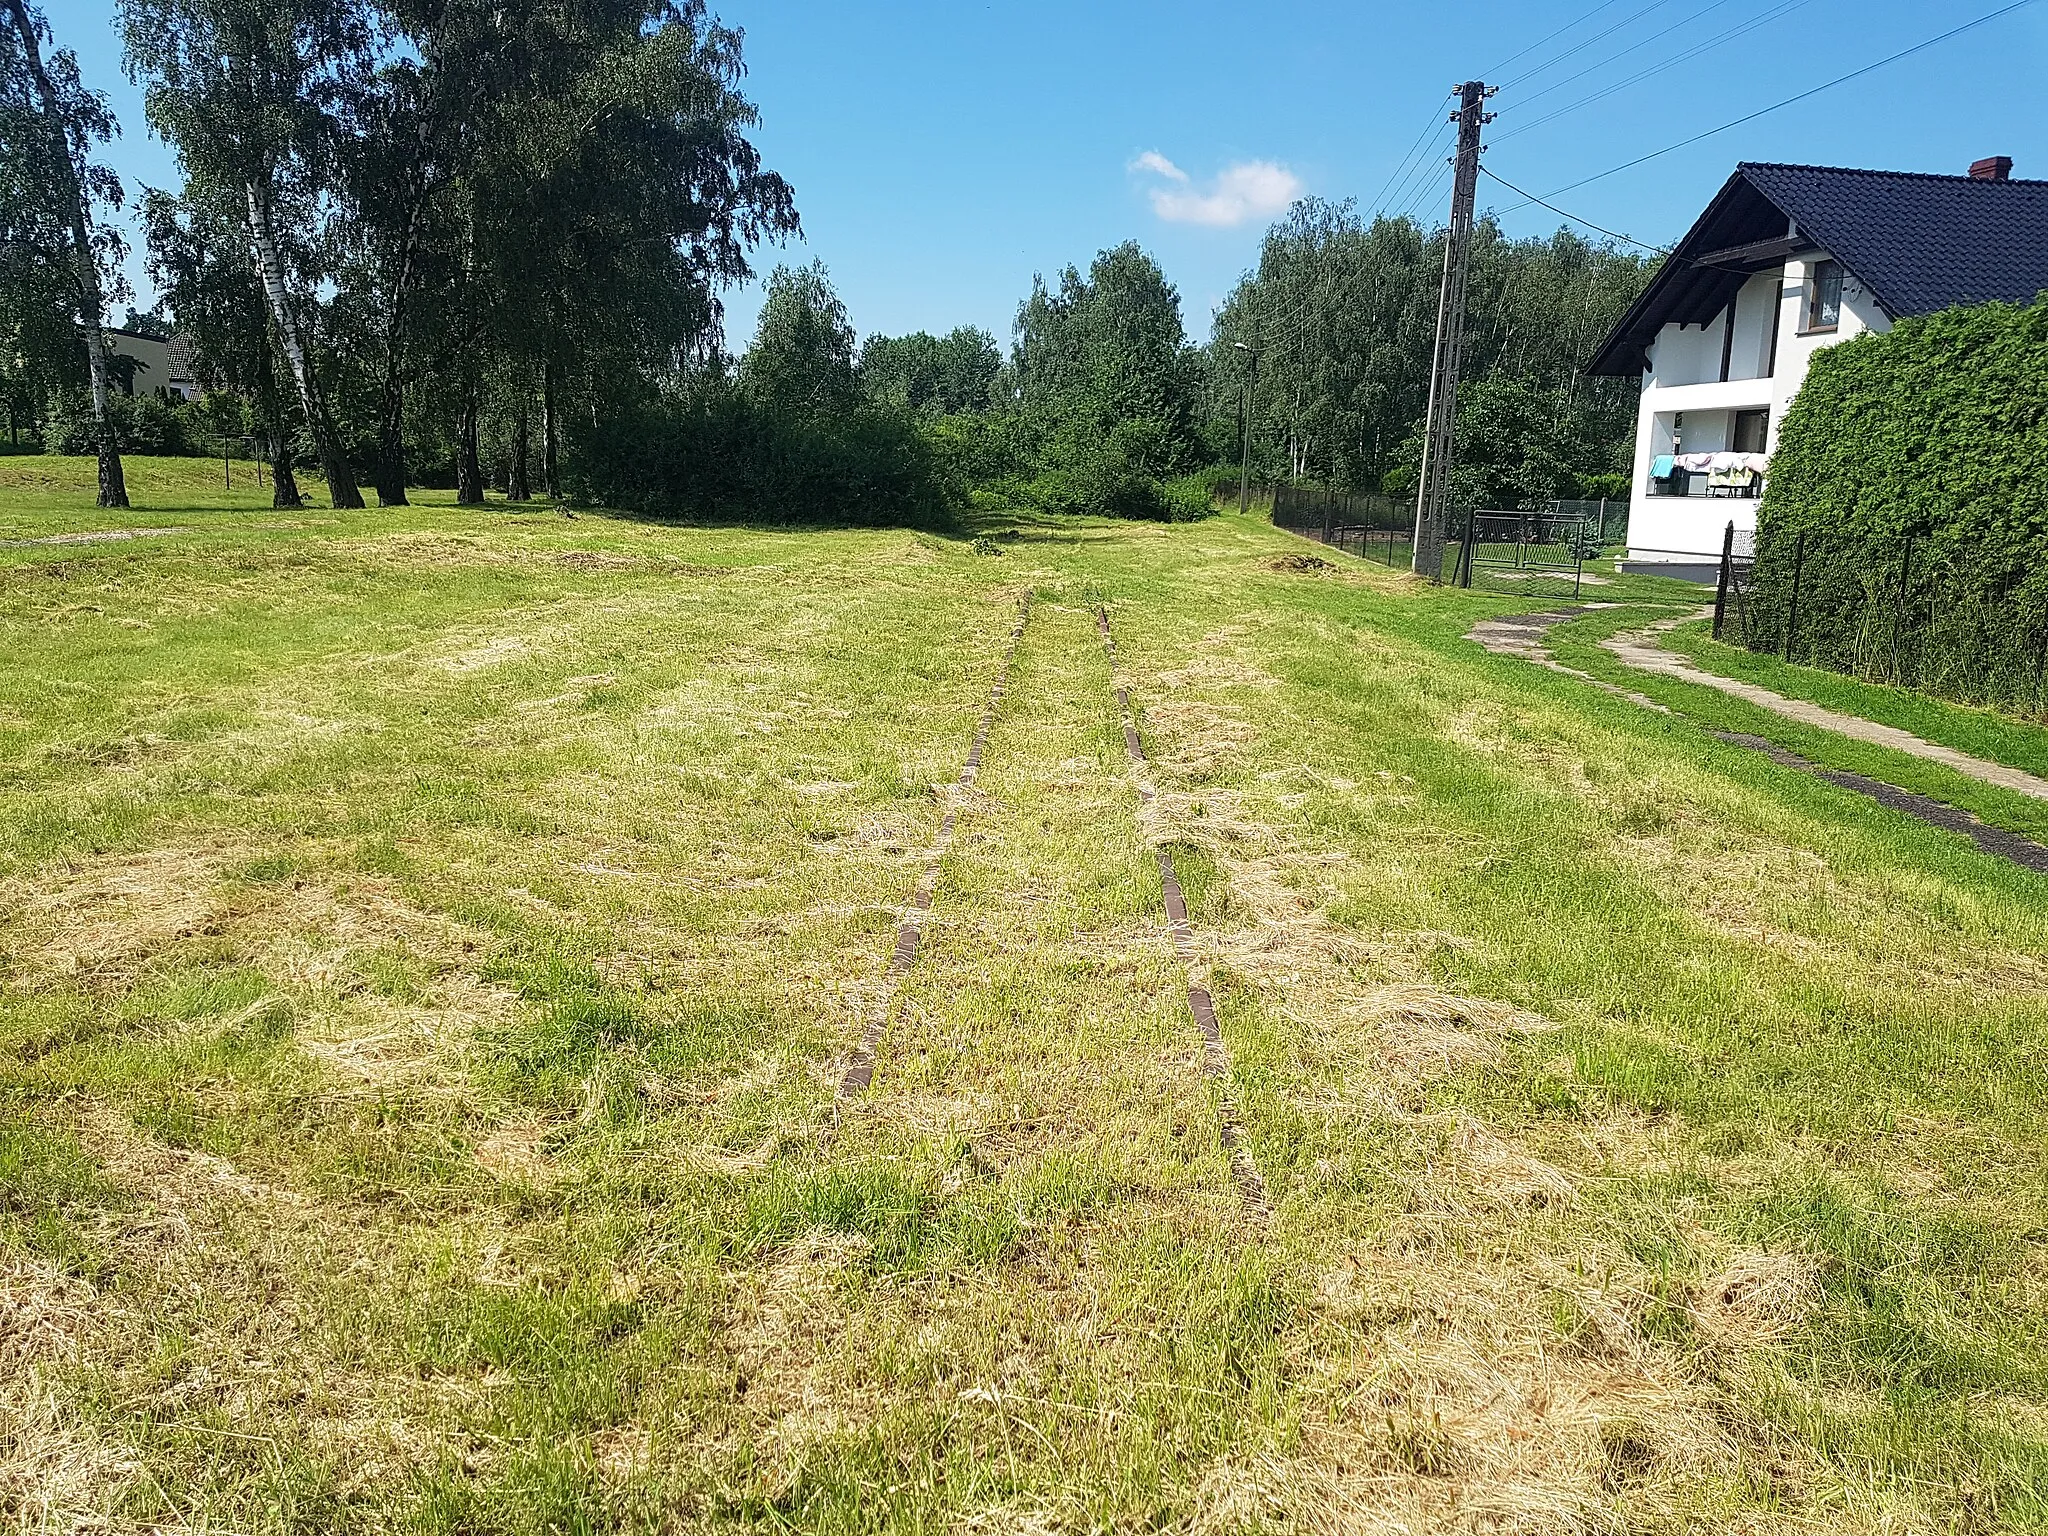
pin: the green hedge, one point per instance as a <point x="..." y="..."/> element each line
<point x="1908" y="502"/>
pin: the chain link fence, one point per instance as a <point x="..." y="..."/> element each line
<point x="1965" y="624"/>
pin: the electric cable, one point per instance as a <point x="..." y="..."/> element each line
<point x="1764" y="20"/>
<point x="1435" y="122"/>
<point x="1431" y="156"/>
<point x="1750" y="117"/>
<point x="1522" y="103"/>
<point x="1584" y="43"/>
<point x="1612" y="234"/>
<point x="1551" y="38"/>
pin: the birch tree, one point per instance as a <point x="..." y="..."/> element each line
<point x="254" y="95"/>
<point x="53" y="214"/>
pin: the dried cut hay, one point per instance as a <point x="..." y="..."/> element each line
<point x="54" y="1473"/>
<point x="104" y="916"/>
<point x="1760" y="1298"/>
<point x="491" y="653"/>
<point x="1496" y="1171"/>
<point x="1300" y="564"/>
<point x="1425" y="1031"/>
<point x="516" y="1152"/>
<point x="1460" y="1412"/>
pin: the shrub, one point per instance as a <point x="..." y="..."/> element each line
<point x="143" y="424"/>
<point x="1114" y="476"/>
<point x="1912" y="471"/>
<point x="715" y="452"/>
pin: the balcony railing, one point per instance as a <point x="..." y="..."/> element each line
<point x="1732" y="475"/>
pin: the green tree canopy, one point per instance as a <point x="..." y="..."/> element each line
<point x="936" y="375"/>
<point x="802" y="358"/>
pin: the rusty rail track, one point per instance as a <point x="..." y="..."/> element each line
<point x="1215" y="1055"/>
<point x="860" y="1066"/>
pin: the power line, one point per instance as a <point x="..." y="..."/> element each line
<point x="1612" y="234"/>
<point x="1765" y="19"/>
<point x="1552" y="37"/>
<point x="1427" y="192"/>
<point x="1421" y="168"/>
<point x="1434" y="122"/>
<point x="1750" y="117"/>
<point x="1636" y="47"/>
<point x="1586" y="42"/>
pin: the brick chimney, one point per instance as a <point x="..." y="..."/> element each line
<point x="1997" y="168"/>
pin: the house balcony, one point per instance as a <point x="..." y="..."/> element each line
<point x="1723" y="395"/>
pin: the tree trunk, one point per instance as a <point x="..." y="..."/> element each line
<point x="284" y="485"/>
<point x="516" y="487"/>
<point x="469" y="474"/>
<point x="341" y="483"/>
<point x="391" y="474"/>
<point x="85" y="268"/>
<point x="277" y="445"/>
<point x="550" y="435"/>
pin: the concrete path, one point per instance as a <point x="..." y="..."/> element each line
<point x="1640" y="649"/>
<point x="1522" y="635"/>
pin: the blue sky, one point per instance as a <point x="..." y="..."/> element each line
<point x="942" y="153"/>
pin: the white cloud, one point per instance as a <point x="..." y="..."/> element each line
<point x="1159" y="165"/>
<point x="1250" y="189"/>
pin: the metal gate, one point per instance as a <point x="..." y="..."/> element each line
<point x="1542" y="553"/>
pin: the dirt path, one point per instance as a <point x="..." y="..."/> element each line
<point x="1639" y="648"/>
<point x="1216" y="1056"/>
<point x="1522" y="636"/>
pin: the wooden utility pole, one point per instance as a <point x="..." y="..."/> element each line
<point x="1440" y="436"/>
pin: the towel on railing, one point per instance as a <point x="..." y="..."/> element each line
<point x="1662" y="466"/>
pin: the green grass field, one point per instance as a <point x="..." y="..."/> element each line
<point x="431" y="940"/>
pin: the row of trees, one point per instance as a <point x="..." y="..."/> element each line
<point x="399" y="219"/>
<point x="446" y="241"/>
<point x="1341" y="315"/>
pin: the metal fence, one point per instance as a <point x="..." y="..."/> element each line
<point x="1320" y="511"/>
<point x="1536" y="554"/>
<point x="1965" y="622"/>
<point x="1606" y="519"/>
<point x="1327" y="514"/>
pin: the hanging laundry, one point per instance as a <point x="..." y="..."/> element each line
<point x="1661" y="466"/>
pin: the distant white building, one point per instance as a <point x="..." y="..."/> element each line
<point x="155" y="363"/>
<point x="1789" y="259"/>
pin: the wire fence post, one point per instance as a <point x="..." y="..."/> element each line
<point x="1899" y="609"/>
<point x="1721" y="584"/>
<point x="1465" y="548"/>
<point x="1792" y="609"/>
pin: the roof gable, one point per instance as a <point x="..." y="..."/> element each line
<point x="1919" y="243"/>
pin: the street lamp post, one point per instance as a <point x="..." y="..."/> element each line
<point x="1244" y="418"/>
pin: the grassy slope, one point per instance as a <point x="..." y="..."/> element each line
<point x="1981" y="732"/>
<point x="1998" y="739"/>
<point x="429" y="938"/>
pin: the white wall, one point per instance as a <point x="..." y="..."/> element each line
<point x="1685" y="376"/>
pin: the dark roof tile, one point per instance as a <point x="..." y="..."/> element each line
<point x="1919" y="242"/>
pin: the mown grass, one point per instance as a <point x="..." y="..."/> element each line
<point x="431" y="940"/>
<point x="1994" y="738"/>
<point x="2002" y="738"/>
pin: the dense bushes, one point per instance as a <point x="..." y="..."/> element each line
<point x="717" y="452"/>
<point x="147" y="424"/>
<point x="1909" y="501"/>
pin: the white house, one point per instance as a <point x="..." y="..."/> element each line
<point x="1786" y="260"/>
<point x="149" y="363"/>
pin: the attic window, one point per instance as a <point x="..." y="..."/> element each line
<point x="1824" y="296"/>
